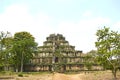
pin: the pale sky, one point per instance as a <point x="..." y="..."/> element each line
<point x="77" y="20"/>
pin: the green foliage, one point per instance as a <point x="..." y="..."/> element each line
<point x="90" y="59"/>
<point x="5" y="48"/>
<point x="57" y="67"/>
<point x="92" y="53"/>
<point x="20" y="75"/>
<point x="23" y="47"/>
<point x="108" y="46"/>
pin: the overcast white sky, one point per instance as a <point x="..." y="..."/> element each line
<point x="77" y="20"/>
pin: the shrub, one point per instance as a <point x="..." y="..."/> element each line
<point x="20" y="75"/>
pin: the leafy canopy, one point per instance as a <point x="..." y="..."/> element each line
<point x="23" y="47"/>
<point x="108" y="46"/>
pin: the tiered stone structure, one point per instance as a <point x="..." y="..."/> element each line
<point x="56" y="54"/>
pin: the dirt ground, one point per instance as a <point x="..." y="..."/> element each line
<point x="58" y="76"/>
<point x="100" y="75"/>
<point x="54" y="76"/>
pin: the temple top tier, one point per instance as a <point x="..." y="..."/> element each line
<point x="53" y="37"/>
<point x="57" y="42"/>
<point x="58" y="39"/>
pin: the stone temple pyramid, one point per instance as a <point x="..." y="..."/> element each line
<point x="56" y="54"/>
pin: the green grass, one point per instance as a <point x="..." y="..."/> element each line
<point x="6" y="73"/>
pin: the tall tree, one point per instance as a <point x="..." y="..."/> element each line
<point x="90" y="59"/>
<point x="5" y="45"/>
<point x="108" y="46"/>
<point x="7" y="52"/>
<point x="24" y="45"/>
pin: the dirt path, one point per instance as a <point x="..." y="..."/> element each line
<point x="54" y="76"/>
<point x="58" y="76"/>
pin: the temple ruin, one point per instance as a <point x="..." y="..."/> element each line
<point x="56" y="54"/>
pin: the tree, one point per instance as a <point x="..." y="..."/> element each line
<point x="108" y="47"/>
<point x="90" y="59"/>
<point x="23" y="47"/>
<point x="5" y="45"/>
<point x="92" y="53"/>
<point x="7" y="52"/>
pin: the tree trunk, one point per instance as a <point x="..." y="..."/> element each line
<point x="6" y="68"/>
<point x="114" y="71"/>
<point x="21" y="68"/>
<point x="16" y="70"/>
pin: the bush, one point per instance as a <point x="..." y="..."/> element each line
<point x="20" y="75"/>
